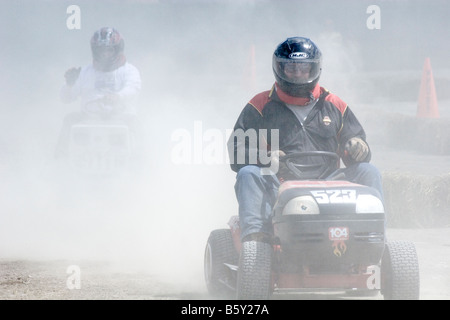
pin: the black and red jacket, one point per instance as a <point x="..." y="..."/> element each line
<point x="329" y="125"/>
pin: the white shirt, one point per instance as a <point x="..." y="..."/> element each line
<point x="92" y="85"/>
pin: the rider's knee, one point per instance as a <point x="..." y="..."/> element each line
<point x="369" y="169"/>
<point x="249" y="171"/>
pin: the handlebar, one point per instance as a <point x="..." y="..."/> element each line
<point x="307" y="170"/>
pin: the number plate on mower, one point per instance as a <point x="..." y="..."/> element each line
<point x="333" y="196"/>
<point x="338" y="233"/>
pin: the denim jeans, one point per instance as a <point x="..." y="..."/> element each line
<point x="256" y="194"/>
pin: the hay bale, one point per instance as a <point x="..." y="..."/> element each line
<point x="417" y="200"/>
<point x="418" y="134"/>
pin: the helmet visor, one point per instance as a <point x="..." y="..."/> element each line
<point x="296" y="71"/>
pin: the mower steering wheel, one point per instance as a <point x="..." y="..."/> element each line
<point x="302" y="170"/>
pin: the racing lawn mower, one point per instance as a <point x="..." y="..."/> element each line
<point x="100" y="147"/>
<point x="328" y="235"/>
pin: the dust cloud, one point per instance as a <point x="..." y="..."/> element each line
<point x="198" y="68"/>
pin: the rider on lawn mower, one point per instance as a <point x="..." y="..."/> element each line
<point x="306" y="117"/>
<point x="108" y="87"/>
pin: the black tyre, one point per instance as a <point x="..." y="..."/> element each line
<point x="400" y="279"/>
<point x="255" y="271"/>
<point x="220" y="250"/>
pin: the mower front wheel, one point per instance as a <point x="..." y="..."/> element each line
<point x="400" y="278"/>
<point x="255" y="271"/>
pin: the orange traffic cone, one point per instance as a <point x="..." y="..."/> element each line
<point x="427" y="107"/>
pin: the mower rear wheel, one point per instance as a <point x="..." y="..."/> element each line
<point x="219" y="251"/>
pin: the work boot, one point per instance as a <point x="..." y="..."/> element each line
<point x="258" y="236"/>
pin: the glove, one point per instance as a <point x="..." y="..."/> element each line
<point x="71" y="76"/>
<point x="357" y="149"/>
<point x="275" y="158"/>
<point x="283" y="171"/>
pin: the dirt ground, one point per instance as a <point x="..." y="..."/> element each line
<point x="53" y="280"/>
<point x="68" y="242"/>
<point x="40" y="277"/>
